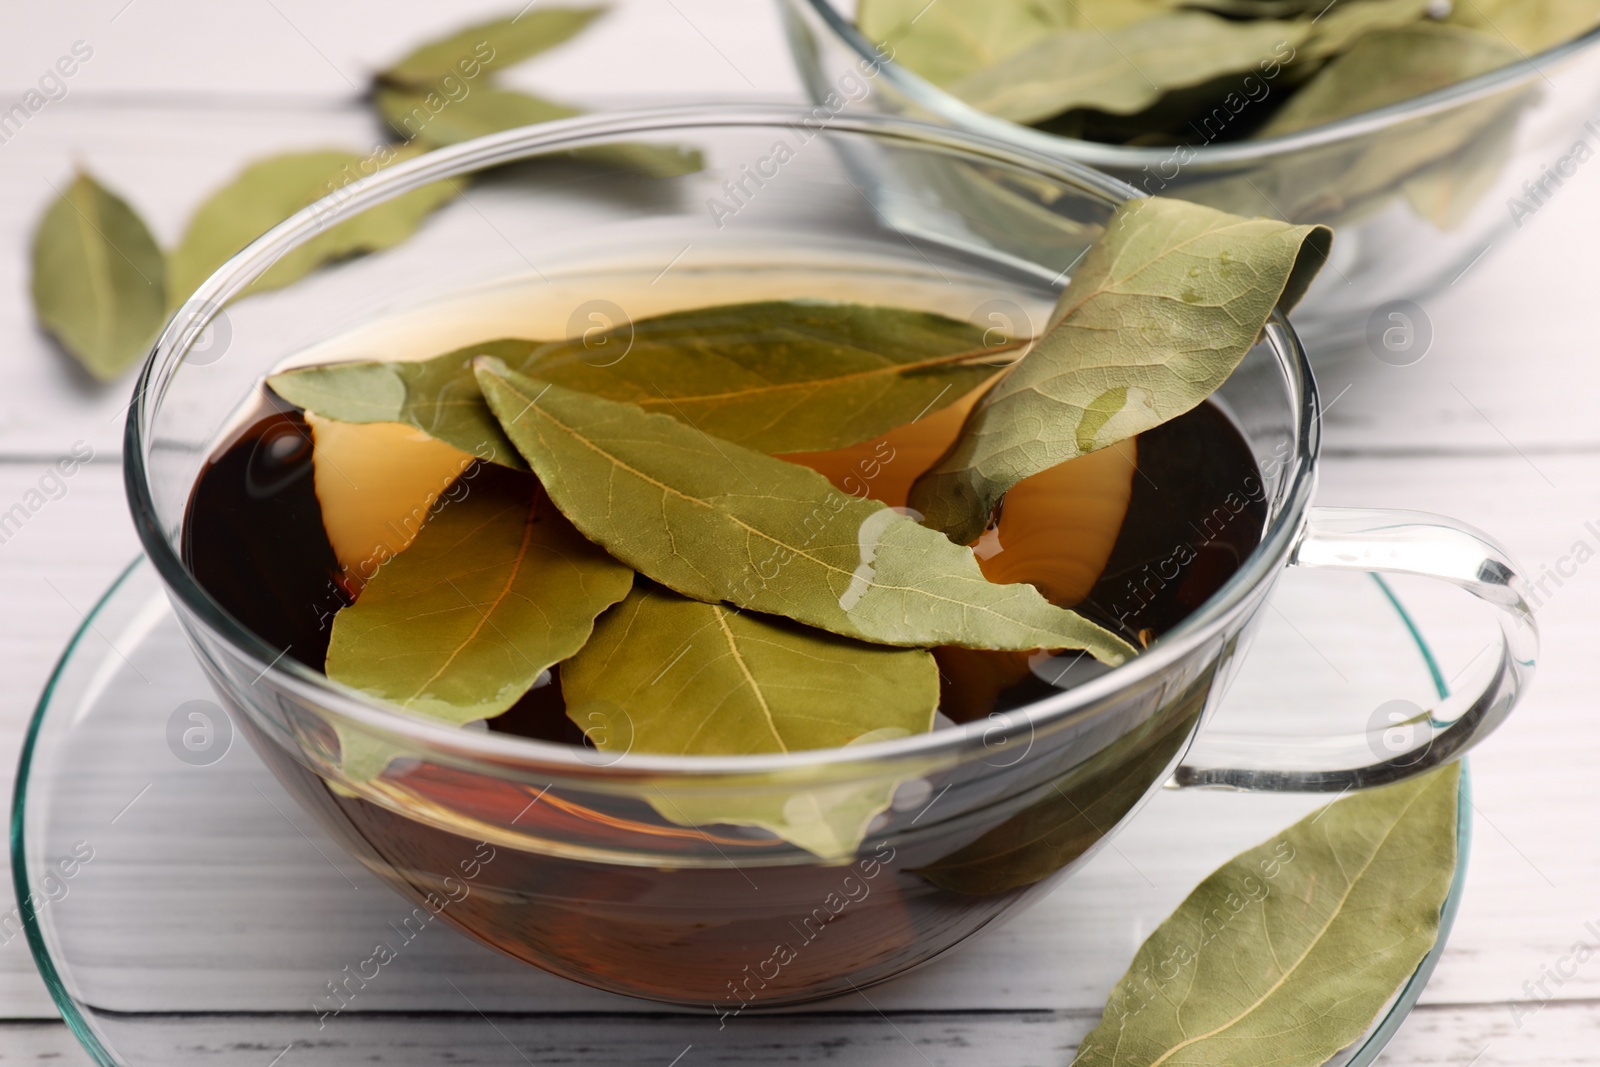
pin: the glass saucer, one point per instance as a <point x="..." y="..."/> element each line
<point x="184" y="911"/>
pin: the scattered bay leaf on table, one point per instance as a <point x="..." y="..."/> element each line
<point x="270" y="190"/>
<point x="436" y="121"/>
<point x="1308" y="934"/>
<point x="1161" y="311"/>
<point x="1390" y="67"/>
<point x="1122" y="70"/>
<point x="665" y="674"/>
<point x="1530" y="26"/>
<point x="776" y="376"/>
<point x="495" y="588"/>
<point x="99" y="278"/>
<point x="719" y="522"/>
<point x="495" y="44"/>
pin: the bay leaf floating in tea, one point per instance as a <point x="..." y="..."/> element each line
<point x="719" y="522"/>
<point x="1310" y="933"/>
<point x="776" y="376"/>
<point x="496" y="587"/>
<point x="667" y="674"/>
<point x="1162" y="309"/>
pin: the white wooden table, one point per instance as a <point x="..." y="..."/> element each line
<point x="1496" y="426"/>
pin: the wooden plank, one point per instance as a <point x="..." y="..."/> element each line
<point x="1453" y="1035"/>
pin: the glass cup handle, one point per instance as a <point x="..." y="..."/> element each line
<point x="1388" y="542"/>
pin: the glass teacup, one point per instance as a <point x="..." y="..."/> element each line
<point x="560" y="855"/>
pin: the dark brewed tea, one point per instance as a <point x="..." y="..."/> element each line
<point x="1135" y="537"/>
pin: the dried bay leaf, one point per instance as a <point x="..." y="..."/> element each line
<point x="776" y="376"/>
<point x="99" y="278"/>
<point x="718" y="522"/>
<point x="270" y="190"/>
<point x="1445" y="191"/>
<point x="436" y="121"/>
<point x="1530" y="26"/>
<point x="495" y="588"/>
<point x="1345" y="23"/>
<point x="1162" y="309"/>
<point x="951" y="39"/>
<point x="498" y="42"/>
<point x="665" y="674"/>
<point x="1122" y="70"/>
<point x="1311" y="933"/>
<point x="697" y="679"/>
<point x="1389" y="67"/>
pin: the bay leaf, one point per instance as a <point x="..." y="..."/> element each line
<point x="495" y="588"/>
<point x="1389" y="67"/>
<point x="270" y="190"/>
<point x="1310" y="933"/>
<point x="1529" y="26"/>
<point x="498" y="42"/>
<point x="775" y="375"/>
<point x="718" y="522"/>
<point x="1163" y="308"/>
<point x="950" y="39"/>
<point x="1341" y="25"/>
<point x="1256" y="9"/>
<point x="1122" y="70"/>
<point x="436" y="120"/>
<point x="1445" y="191"/>
<point x="665" y="674"/>
<point x="99" y="278"/>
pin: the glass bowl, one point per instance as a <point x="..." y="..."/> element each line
<point x="561" y="856"/>
<point x="1417" y="192"/>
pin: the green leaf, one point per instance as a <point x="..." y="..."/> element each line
<point x="436" y="120"/>
<point x="669" y="675"/>
<point x="1162" y="309"/>
<point x="1309" y="934"/>
<point x="499" y="43"/>
<point x="1529" y="26"/>
<point x="1345" y="23"/>
<point x="950" y="39"/>
<point x="270" y="190"/>
<point x="496" y="587"/>
<point x="1122" y="70"/>
<point x="774" y="376"/>
<point x="1446" y="191"/>
<point x="99" y="279"/>
<point x="1389" y="67"/>
<point x="718" y="522"/>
